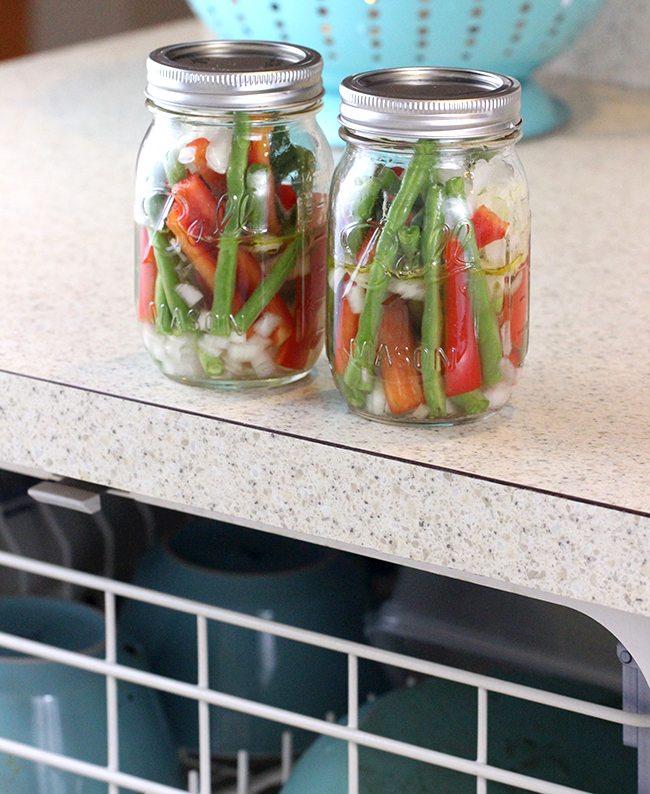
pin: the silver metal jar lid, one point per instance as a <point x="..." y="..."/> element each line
<point x="430" y="102"/>
<point x="233" y="75"/>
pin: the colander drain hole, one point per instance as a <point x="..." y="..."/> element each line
<point x="243" y="22"/>
<point x="521" y="20"/>
<point x="327" y="33"/>
<point x="472" y="31"/>
<point x="278" y="21"/>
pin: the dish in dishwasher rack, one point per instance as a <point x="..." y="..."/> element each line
<point x="525" y="737"/>
<point x="61" y="709"/>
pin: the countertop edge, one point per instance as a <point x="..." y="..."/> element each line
<point x="409" y="513"/>
<point x="333" y="444"/>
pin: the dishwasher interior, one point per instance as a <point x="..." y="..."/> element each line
<point x="148" y="650"/>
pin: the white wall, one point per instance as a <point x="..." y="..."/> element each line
<point x="615" y="48"/>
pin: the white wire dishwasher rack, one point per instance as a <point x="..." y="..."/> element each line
<point x="200" y="781"/>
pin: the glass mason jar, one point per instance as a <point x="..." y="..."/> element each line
<point x="230" y="209"/>
<point x="429" y="245"/>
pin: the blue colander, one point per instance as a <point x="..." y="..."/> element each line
<point x="511" y="36"/>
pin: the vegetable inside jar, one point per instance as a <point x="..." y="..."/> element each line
<point x="230" y="210"/>
<point x="429" y="245"/>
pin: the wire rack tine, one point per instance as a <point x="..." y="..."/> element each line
<point x="205" y="761"/>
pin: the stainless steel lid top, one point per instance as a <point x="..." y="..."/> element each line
<point x="430" y="102"/>
<point x="233" y="75"/>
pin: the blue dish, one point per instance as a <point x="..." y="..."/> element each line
<point x="510" y="36"/>
<point x="63" y="709"/>
<point x="260" y="574"/>
<point x="528" y="738"/>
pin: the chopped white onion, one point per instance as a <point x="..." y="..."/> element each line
<point x="186" y="155"/>
<point x="212" y="345"/>
<point x="376" y="400"/>
<point x="267" y="323"/>
<point x="495" y="252"/>
<point x="421" y="412"/>
<point x="263" y="365"/>
<point x="499" y="394"/>
<point x="508" y="370"/>
<point x="203" y="321"/>
<point x="409" y="288"/>
<point x="488" y="173"/>
<point x="217" y="154"/>
<point x="190" y="294"/>
<point x="233" y="368"/>
<point x="356" y="298"/>
<point x="153" y="341"/>
<point x="244" y="353"/>
<point x="180" y="357"/>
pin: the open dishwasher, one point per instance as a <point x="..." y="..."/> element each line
<point x="221" y="659"/>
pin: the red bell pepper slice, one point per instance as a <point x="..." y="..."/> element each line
<point x="192" y="220"/>
<point x="518" y="316"/>
<point x="462" y="361"/>
<point x="309" y="309"/>
<point x="287" y="196"/>
<point x="317" y="286"/>
<point x="488" y="226"/>
<point x="294" y="352"/>
<point x="259" y="149"/>
<point x="215" y="180"/>
<point x="148" y="273"/>
<point x="396" y="349"/>
<point x="346" y="325"/>
<point x="200" y="255"/>
<point x="196" y="210"/>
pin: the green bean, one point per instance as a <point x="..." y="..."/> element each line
<point x="163" y="315"/>
<point x="266" y="289"/>
<point x="408" y="238"/>
<point x="472" y="402"/>
<point x="166" y="262"/>
<point x="174" y="170"/>
<point x="225" y="274"/>
<point x="212" y="365"/>
<point x="432" y="237"/>
<point x="386" y="180"/>
<point x="359" y="374"/>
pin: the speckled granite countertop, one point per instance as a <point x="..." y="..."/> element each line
<point x="552" y="495"/>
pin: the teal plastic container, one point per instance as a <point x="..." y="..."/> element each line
<point x="513" y="37"/>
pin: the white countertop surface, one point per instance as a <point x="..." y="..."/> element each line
<point x="552" y="494"/>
